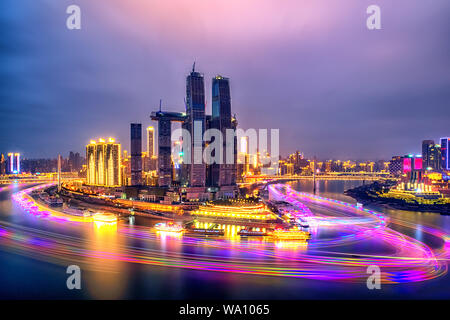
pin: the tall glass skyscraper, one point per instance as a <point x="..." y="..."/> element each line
<point x="223" y="174"/>
<point x="136" y="154"/>
<point x="427" y="145"/>
<point x="195" y="110"/>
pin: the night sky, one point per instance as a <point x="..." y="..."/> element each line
<point x="310" y="68"/>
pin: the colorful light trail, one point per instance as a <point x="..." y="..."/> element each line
<point x="330" y="255"/>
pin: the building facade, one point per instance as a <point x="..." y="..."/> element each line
<point x="103" y="159"/>
<point x="195" y="110"/>
<point x="2" y="165"/>
<point x="136" y="154"/>
<point x="150" y="142"/>
<point x="445" y="153"/>
<point x="431" y="155"/>
<point x="222" y="174"/>
<point x="13" y="163"/>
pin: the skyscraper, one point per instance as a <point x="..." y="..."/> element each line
<point x="17" y="160"/>
<point x="103" y="163"/>
<point x="74" y="161"/>
<point x="150" y="141"/>
<point x="13" y="166"/>
<point x="2" y="164"/>
<point x="195" y="110"/>
<point x="223" y="174"/>
<point x="435" y="157"/>
<point x="427" y="145"/>
<point x="445" y="153"/>
<point x="136" y="154"/>
<point x="396" y="165"/>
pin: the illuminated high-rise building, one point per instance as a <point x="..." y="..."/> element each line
<point x="136" y="154"/>
<point x="195" y="111"/>
<point x="426" y="151"/>
<point x="150" y="142"/>
<point x="396" y="166"/>
<point x="223" y="174"/>
<point x="10" y="165"/>
<point x="435" y="158"/>
<point x="103" y="159"/>
<point x="2" y="164"/>
<point x="244" y="155"/>
<point x="431" y="155"/>
<point x="91" y="163"/>
<point x="445" y="153"/>
<point x="13" y="165"/>
<point x="17" y="162"/>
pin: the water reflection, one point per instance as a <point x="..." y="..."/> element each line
<point x="103" y="246"/>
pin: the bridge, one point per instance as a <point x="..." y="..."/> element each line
<point x="30" y="178"/>
<point x="366" y="176"/>
<point x="165" y="120"/>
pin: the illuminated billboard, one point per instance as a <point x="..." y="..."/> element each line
<point x="417" y="163"/>
<point x="406" y="165"/>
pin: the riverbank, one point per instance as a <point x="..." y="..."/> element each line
<point x="372" y="193"/>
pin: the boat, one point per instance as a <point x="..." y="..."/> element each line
<point x="216" y="232"/>
<point x="105" y="217"/>
<point x="211" y="230"/>
<point x="87" y="213"/>
<point x="252" y="232"/>
<point x="168" y="227"/>
<point x="291" y="234"/>
<point x="302" y="224"/>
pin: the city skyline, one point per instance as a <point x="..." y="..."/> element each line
<point x="371" y="94"/>
<point x="225" y="158"/>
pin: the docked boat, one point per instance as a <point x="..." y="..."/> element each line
<point x="291" y="234"/>
<point x="168" y="227"/>
<point x="252" y="232"/>
<point x="206" y="229"/>
<point x="210" y="232"/>
<point x="105" y="217"/>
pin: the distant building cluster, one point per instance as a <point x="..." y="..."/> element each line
<point x="434" y="157"/>
<point x="428" y="170"/>
<point x="296" y="164"/>
<point x="196" y="181"/>
<point x="13" y="163"/>
<point x="175" y="178"/>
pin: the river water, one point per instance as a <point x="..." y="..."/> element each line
<point x="24" y="275"/>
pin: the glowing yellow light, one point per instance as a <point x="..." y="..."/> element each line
<point x="105" y="218"/>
